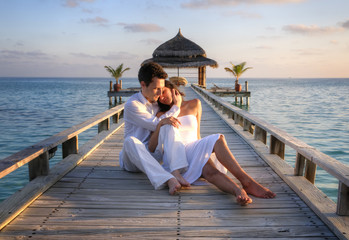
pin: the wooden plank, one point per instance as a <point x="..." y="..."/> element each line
<point x="15" y="204"/>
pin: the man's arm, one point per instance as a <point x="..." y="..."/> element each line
<point x="137" y="114"/>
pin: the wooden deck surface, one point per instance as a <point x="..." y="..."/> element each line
<point x="98" y="200"/>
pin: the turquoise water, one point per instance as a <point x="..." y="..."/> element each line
<point x="32" y="109"/>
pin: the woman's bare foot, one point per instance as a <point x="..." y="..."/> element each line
<point x="257" y="190"/>
<point x="242" y="198"/>
<point x="173" y="185"/>
<point x="180" y="178"/>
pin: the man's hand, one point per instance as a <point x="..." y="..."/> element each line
<point x="176" y="97"/>
<point x="170" y="121"/>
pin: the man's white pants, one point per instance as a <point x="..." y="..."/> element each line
<point x="136" y="157"/>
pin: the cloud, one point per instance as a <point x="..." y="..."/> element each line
<point x="151" y="41"/>
<point x="264" y="47"/>
<point x="23" y="55"/>
<point x="109" y="56"/>
<point x="242" y="14"/>
<point x="334" y="42"/>
<point x="75" y="3"/>
<point x="97" y="20"/>
<point x="311" y="29"/>
<point x="141" y="27"/>
<point x="309" y="52"/>
<point x="223" y="3"/>
<point x="345" y="24"/>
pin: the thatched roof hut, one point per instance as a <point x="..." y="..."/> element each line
<point x="180" y="52"/>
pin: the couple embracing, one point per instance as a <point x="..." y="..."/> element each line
<point x="162" y="140"/>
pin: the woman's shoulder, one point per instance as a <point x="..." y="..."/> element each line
<point x="193" y="104"/>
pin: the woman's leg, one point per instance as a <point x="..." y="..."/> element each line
<point x="228" y="160"/>
<point x="224" y="183"/>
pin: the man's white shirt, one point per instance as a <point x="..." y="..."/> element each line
<point x="140" y="117"/>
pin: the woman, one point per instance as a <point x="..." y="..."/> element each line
<point x="199" y="150"/>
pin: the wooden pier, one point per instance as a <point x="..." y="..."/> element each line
<point x="88" y="196"/>
<point x="122" y="93"/>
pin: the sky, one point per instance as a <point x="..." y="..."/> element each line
<point x="77" y="38"/>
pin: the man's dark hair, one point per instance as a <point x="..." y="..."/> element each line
<point x="150" y="70"/>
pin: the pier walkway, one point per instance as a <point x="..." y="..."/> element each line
<point x="98" y="200"/>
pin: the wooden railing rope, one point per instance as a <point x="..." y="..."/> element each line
<point x="307" y="157"/>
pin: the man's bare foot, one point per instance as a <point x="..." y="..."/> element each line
<point x="257" y="190"/>
<point x="242" y="198"/>
<point x="173" y="185"/>
<point x="180" y="178"/>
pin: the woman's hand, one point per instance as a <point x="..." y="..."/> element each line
<point x="169" y="121"/>
<point x="153" y="141"/>
<point x="176" y="98"/>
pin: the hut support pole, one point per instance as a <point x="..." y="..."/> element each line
<point x="202" y="76"/>
<point x="199" y="76"/>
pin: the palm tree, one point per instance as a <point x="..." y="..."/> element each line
<point x="237" y="70"/>
<point x="117" y="72"/>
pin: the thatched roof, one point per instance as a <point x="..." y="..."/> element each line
<point x="180" y="52"/>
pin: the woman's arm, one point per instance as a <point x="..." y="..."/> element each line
<point x="153" y="141"/>
<point x="198" y="116"/>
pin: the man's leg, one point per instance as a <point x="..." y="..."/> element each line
<point x="136" y="156"/>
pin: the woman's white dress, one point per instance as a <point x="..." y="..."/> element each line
<point x="198" y="151"/>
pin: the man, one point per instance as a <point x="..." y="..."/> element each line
<point x="140" y="121"/>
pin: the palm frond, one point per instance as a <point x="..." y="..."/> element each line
<point x="237" y="70"/>
<point x="117" y="72"/>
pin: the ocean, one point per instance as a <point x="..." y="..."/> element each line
<point x="31" y="109"/>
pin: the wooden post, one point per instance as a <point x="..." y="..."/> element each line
<point x="116" y="117"/>
<point x="230" y="114"/>
<point x="247" y="98"/>
<point x="299" y="167"/>
<point x="70" y="146"/>
<point x="277" y="147"/>
<point x="310" y="171"/>
<point x="104" y="125"/>
<point x="120" y="97"/>
<point x="343" y="200"/>
<point x="260" y="134"/>
<point x="247" y="125"/>
<point x="110" y="89"/>
<point x="39" y="166"/>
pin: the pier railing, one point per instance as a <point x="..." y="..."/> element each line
<point x="37" y="156"/>
<point x="307" y="157"/>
